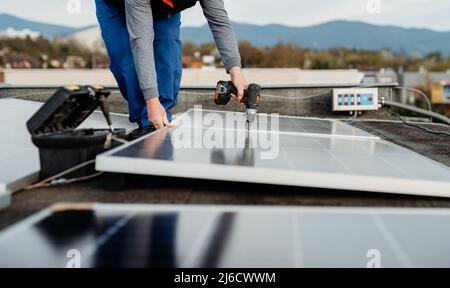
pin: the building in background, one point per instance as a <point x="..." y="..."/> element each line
<point x="440" y="93"/>
<point x="74" y="62"/>
<point x="89" y="38"/>
<point x="22" y="34"/>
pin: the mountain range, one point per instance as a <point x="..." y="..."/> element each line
<point x="353" y="35"/>
<point x="47" y="30"/>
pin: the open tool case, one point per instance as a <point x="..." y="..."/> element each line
<point x="61" y="147"/>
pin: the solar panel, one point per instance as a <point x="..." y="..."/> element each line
<point x="227" y="236"/>
<point x="19" y="158"/>
<point x="307" y="153"/>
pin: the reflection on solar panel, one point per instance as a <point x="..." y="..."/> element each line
<point x="19" y="158"/>
<point x="310" y="153"/>
<point x="200" y="236"/>
<point x="288" y="125"/>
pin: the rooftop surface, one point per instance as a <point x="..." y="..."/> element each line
<point x="164" y="190"/>
<point x="157" y="190"/>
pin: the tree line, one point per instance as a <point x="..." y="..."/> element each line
<point x="42" y="52"/>
<point x="283" y="55"/>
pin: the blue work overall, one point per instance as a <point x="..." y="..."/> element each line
<point x="167" y="50"/>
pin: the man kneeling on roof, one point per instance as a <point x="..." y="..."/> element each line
<point x="143" y="42"/>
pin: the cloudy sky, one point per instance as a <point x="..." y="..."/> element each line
<point x="432" y="14"/>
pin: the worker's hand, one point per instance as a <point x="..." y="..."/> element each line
<point x="238" y="79"/>
<point x="157" y="114"/>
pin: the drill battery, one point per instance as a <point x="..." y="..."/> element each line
<point x="225" y="90"/>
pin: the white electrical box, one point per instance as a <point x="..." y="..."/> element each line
<point x="355" y="99"/>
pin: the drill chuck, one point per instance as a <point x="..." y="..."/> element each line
<point x="252" y="96"/>
<point x="251" y="115"/>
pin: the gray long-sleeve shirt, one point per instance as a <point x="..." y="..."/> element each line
<point x="140" y="26"/>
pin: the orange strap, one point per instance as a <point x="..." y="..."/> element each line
<point x="169" y="2"/>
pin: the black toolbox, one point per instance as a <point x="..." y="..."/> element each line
<point x="61" y="147"/>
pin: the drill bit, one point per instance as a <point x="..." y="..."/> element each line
<point x="251" y="115"/>
<point x="105" y="110"/>
<point x="99" y="93"/>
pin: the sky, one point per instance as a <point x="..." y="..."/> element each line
<point x="431" y="14"/>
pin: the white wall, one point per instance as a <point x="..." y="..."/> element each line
<point x="190" y="76"/>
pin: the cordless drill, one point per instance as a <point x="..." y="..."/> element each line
<point x="252" y="96"/>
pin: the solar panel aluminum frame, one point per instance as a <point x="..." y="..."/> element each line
<point x="107" y="162"/>
<point x="13" y="186"/>
<point x="5" y="197"/>
<point x="7" y="189"/>
<point x="129" y="209"/>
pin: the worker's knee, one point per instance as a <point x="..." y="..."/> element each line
<point x="121" y="58"/>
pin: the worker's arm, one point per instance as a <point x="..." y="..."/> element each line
<point x="140" y="26"/>
<point x="226" y="42"/>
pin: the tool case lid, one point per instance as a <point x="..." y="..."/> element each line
<point x="66" y="109"/>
